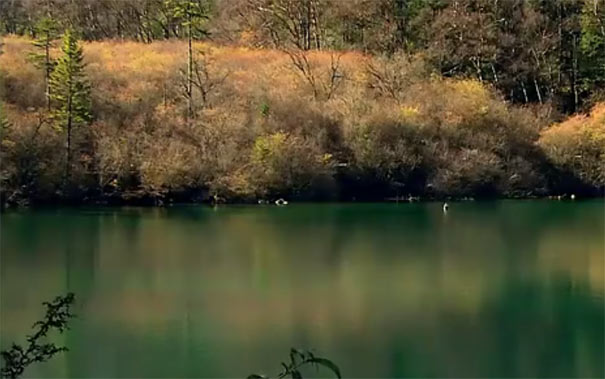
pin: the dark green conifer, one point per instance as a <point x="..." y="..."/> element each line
<point x="70" y="93"/>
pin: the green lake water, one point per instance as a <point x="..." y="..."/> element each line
<point x="490" y="289"/>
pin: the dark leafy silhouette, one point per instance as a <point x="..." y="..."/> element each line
<point x="299" y="359"/>
<point x="58" y="314"/>
<point x="18" y="358"/>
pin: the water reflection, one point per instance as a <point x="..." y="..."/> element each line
<point x="507" y="289"/>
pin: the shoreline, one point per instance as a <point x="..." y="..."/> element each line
<point x="158" y="202"/>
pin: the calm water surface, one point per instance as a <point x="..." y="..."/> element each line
<point x="499" y="289"/>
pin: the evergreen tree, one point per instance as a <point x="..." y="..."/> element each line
<point x="46" y="30"/>
<point x="70" y="93"/>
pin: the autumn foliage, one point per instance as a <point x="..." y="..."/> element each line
<point x="577" y="146"/>
<point x="322" y="125"/>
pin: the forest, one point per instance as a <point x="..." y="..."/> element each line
<point x="159" y="101"/>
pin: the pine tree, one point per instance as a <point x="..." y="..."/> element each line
<point x="46" y="30"/>
<point x="70" y="93"/>
<point x="192" y="14"/>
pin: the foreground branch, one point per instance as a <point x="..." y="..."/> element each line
<point x="18" y="358"/>
<point x="299" y="359"/>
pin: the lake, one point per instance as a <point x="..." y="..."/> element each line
<point x="490" y="289"/>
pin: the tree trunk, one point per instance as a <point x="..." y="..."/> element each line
<point x="560" y="32"/>
<point x="68" y="144"/>
<point x="477" y="63"/>
<point x="524" y="93"/>
<point x="538" y="91"/>
<point x="316" y="27"/>
<point x="495" y="73"/>
<point x="189" y="72"/>
<point x="307" y="23"/>
<point x="165" y="95"/>
<point x="47" y="71"/>
<point x="574" y="74"/>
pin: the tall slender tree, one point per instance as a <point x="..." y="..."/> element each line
<point x="70" y="94"/>
<point x="192" y="14"/>
<point x="46" y="32"/>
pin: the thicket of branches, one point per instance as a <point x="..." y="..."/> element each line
<point x="533" y="51"/>
<point x="422" y="106"/>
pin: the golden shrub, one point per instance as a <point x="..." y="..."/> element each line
<point x="577" y="145"/>
<point x="286" y="164"/>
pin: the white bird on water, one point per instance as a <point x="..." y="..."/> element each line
<point x="445" y="207"/>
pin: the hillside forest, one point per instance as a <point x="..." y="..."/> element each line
<point x="158" y="101"/>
